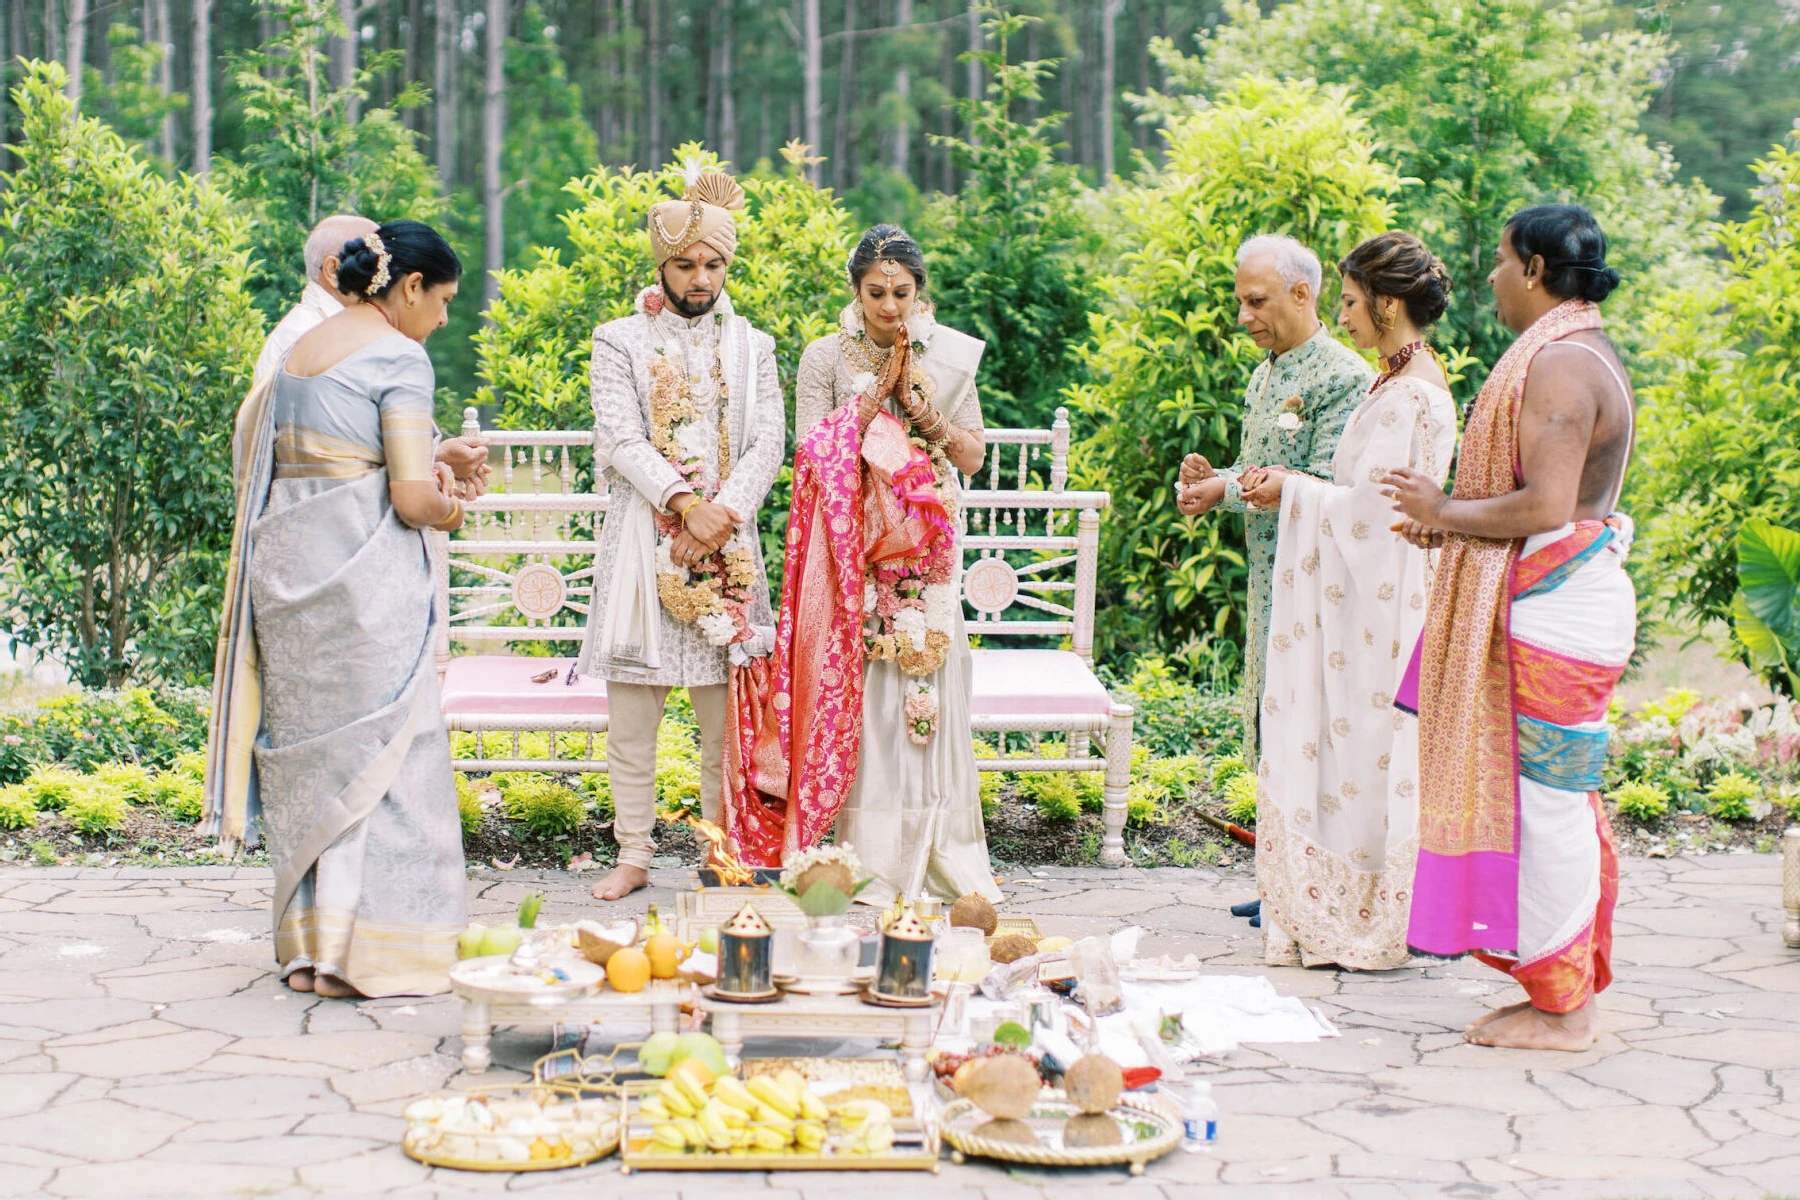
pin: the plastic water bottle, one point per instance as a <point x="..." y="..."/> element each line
<point x="1199" y="1115"/>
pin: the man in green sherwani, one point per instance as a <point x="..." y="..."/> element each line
<point x="1299" y="399"/>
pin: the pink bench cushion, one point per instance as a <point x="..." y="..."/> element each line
<point x="1023" y="683"/>
<point x="501" y="684"/>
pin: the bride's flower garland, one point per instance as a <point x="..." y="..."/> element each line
<point x="714" y="593"/>
<point x="909" y="606"/>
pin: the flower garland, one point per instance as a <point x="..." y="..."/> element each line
<point x="713" y="594"/>
<point x="909" y="605"/>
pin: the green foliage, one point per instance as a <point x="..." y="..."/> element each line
<point x="130" y="782"/>
<point x="599" y="793"/>
<point x="17" y="808"/>
<point x="178" y="795"/>
<point x="787" y="279"/>
<point x="43" y="854"/>
<point x="1731" y="795"/>
<point x="1167" y="366"/>
<point x="1671" y="706"/>
<point x="468" y="806"/>
<point x="96" y="811"/>
<point x="126" y="340"/>
<point x="677" y="765"/>
<point x="1719" y="438"/>
<point x="1766" y="610"/>
<point x="1491" y="105"/>
<point x="53" y="787"/>
<point x="1055" y="793"/>
<point x="1012" y="253"/>
<point x="1240" y="799"/>
<point x="1641" y="802"/>
<point x="128" y="96"/>
<point x="308" y="153"/>
<point x="540" y="803"/>
<point x="1225" y="769"/>
<point x="87" y="729"/>
<point x="1159" y="783"/>
<point x="1173" y="717"/>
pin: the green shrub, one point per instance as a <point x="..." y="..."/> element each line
<point x="990" y="782"/>
<point x="468" y="806"/>
<point x="17" y="811"/>
<point x="677" y="765"/>
<point x="191" y="763"/>
<point x="1640" y="801"/>
<point x="1053" y="792"/>
<point x="1765" y="612"/>
<point x="132" y="782"/>
<point x="1731" y="795"/>
<point x="542" y="805"/>
<point x="1173" y="716"/>
<point x="598" y="787"/>
<point x="53" y="787"/>
<point x="178" y="796"/>
<point x="1225" y="769"/>
<point x="94" y="811"/>
<point x="1240" y="799"/>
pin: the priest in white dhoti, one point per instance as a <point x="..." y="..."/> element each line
<point x="690" y="434"/>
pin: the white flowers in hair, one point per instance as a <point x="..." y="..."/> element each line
<point x="382" y="257"/>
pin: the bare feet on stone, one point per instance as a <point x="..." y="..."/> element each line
<point x="301" y="980"/>
<point x="1490" y="1017"/>
<point x="335" y="989"/>
<point x="1533" y="1029"/>
<point x="620" y="882"/>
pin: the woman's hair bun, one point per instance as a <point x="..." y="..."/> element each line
<point x="889" y="242"/>
<point x="1399" y="266"/>
<point x="1569" y="240"/>
<point x="401" y="247"/>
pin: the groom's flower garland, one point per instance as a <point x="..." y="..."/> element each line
<point x="909" y="607"/>
<point x="714" y="593"/>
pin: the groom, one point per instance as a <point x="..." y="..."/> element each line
<point x="689" y="431"/>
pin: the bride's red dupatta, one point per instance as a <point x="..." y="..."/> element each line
<point x="794" y="720"/>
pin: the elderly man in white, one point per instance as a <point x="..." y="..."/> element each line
<point x="321" y="299"/>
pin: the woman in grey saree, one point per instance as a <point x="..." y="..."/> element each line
<point x="350" y="764"/>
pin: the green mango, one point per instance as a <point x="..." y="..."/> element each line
<point x="704" y="1047"/>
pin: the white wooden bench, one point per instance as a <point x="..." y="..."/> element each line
<point x="519" y="574"/>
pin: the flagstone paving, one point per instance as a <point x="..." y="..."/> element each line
<point x="146" y="1049"/>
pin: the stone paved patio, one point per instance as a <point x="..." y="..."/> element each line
<point x="146" y="1049"/>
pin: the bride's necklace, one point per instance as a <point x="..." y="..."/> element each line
<point x="1392" y="364"/>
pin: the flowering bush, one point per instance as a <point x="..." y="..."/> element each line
<point x="89" y="729"/>
<point x="1686" y="747"/>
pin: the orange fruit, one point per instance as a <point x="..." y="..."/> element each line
<point x="698" y="1071"/>
<point x="628" y="970"/>
<point x="664" y="952"/>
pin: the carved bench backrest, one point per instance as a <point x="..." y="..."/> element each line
<point x="521" y="568"/>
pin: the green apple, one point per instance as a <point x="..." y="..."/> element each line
<point x="502" y="939"/>
<point x="709" y="939"/>
<point x="702" y="1046"/>
<point x="468" y="942"/>
<point x="657" y="1054"/>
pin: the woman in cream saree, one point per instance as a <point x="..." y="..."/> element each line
<point x="328" y="726"/>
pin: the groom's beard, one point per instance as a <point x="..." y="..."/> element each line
<point x="687" y="308"/>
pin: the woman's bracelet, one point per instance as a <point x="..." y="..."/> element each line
<point x="453" y="519"/>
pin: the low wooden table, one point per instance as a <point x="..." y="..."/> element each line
<point x="801" y="1016"/>
<point x="484" y="1009"/>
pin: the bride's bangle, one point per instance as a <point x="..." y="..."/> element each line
<point x="453" y="520"/>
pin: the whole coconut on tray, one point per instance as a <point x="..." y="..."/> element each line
<point x="1011" y="947"/>
<point x="1004" y="1086"/>
<point x="975" y="911"/>
<point x="1094" y="1083"/>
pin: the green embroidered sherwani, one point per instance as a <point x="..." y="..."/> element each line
<point x="1330" y="380"/>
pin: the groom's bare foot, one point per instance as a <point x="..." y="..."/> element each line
<point x="1490" y="1017"/>
<point x="301" y="980"/>
<point x="1534" y="1029"/>
<point x="620" y="882"/>
<point x="333" y="988"/>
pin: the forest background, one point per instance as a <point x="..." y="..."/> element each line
<point x="1080" y="172"/>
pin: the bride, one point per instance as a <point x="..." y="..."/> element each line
<point x="913" y="811"/>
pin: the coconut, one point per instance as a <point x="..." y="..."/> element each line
<point x="837" y="874"/>
<point x="597" y="942"/>
<point x="975" y="912"/>
<point x="1091" y="1130"/>
<point x="1016" y="1133"/>
<point x="1094" y="1083"/>
<point x="1010" y="947"/>
<point x="1005" y="1086"/>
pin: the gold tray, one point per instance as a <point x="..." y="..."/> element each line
<point x="916" y="1148"/>
<point x="1147" y="1131"/>
<point x="608" y="1143"/>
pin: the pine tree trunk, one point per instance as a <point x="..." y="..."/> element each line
<point x="165" y="73"/>
<point x="493" y="135"/>
<point x="415" y="16"/>
<point x="973" y="68"/>
<point x="812" y="51"/>
<point x="654" y="150"/>
<point x="902" y="159"/>
<point x="343" y="55"/>
<point x="1109" y="29"/>
<point x="840" y="146"/>
<point x="728" y="134"/>
<point x="202" y="86"/>
<point x="443" y="87"/>
<point x="77" y="47"/>
<point x="606" y="115"/>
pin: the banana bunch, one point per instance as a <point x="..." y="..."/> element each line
<point x="868" y="1127"/>
<point x="768" y="1115"/>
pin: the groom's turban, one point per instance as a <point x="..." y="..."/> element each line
<point x="704" y="214"/>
